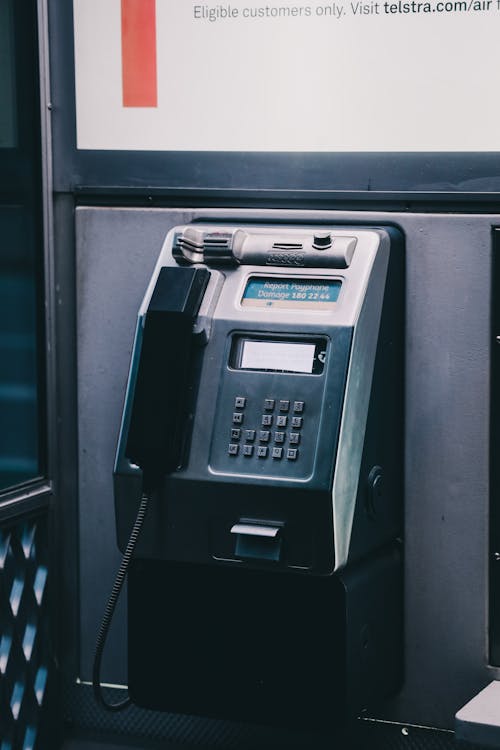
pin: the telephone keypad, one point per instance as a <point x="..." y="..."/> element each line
<point x="285" y="443"/>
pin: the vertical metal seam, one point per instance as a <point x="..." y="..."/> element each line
<point x="48" y="238"/>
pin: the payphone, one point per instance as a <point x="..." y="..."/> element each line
<point x="264" y="420"/>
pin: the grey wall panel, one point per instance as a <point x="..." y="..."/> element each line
<point x="446" y="464"/>
<point x="116" y="253"/>
<point x="447" y="392"/>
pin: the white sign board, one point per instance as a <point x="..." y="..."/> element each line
<point x="300" y="75"/>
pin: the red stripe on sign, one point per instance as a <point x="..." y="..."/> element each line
<point x="139" y="53"/>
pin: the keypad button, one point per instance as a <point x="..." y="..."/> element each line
<point x="248" y="450"/>
<point x="279" y="437"/>
<point x="298" y="407"/>
<point x="237" y="417"/>
<point x="240" y="402"/>
<point x="269" y="404"/>
<point x="233" y="449"/>
<point x="235" y="433"/>
<point x="264" y="436"/>
<point x="296" y="422"/>
<point x="249" y="435"/>
<point x="284" y="405"/>
<point x="262" y="451"/>
<point x="277" y="452"/>
<point x="281" y="421"/>
<point x="267" y="420"/>
<point x="292" y="454"/>
<point x="294" y="438"/>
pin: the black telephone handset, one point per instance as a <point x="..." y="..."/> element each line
<point x="154" y="437"/>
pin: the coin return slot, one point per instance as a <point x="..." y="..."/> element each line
<point x="257" y="541"/>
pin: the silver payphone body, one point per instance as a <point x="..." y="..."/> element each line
<point x="264" y="411"/>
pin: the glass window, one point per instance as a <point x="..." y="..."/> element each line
<point x="7" y="88"/>
<point x="21" y="311"/>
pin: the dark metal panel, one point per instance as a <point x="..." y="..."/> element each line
<point x="447" y="412"/>
<point x="494" y="639"/>
<point x="25" y="499"/>
<point x="65" y="523"/>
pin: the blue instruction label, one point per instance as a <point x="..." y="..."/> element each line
<point x="275" y="292"/>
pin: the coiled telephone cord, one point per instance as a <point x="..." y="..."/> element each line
<point x="110" y="609"/>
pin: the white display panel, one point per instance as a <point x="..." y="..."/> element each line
<point x="276" y="355"/>
<point x="296" y="76"/>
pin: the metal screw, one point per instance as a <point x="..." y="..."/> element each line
<point x="496" y="556"/>
<point x="405" y="731"/>
<point x="497" y="339"/>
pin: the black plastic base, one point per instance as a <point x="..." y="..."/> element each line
<point x="260" y="646"/>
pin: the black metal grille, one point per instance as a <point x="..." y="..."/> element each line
<point x="153" y="729"/>
<point x="24" y="634"/>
